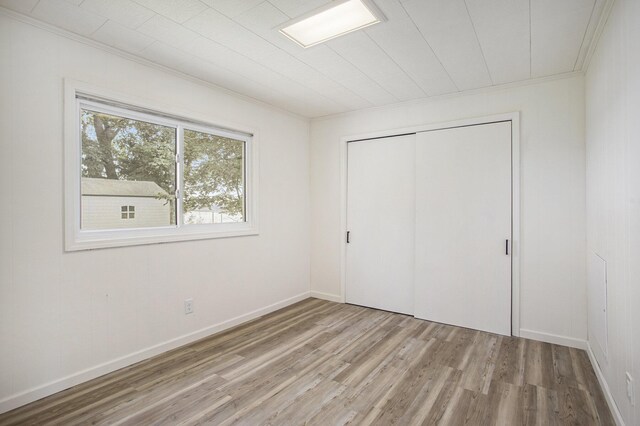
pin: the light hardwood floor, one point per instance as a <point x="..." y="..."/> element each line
<point x="326" y="363"/>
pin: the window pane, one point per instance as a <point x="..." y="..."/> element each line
<point x="126" y="164"/>
<point x="214" y="186"/>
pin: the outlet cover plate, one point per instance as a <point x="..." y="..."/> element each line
<point x="188" y="306"/>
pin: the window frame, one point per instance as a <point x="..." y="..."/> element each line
<point x="127" y="211"/>
<point x="82" y="96"/>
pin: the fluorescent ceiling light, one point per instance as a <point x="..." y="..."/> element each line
<point x="337" y="18"/>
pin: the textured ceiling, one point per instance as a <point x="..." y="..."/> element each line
<point x="425" y="48"/>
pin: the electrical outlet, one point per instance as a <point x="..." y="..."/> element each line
<point x="630" y="388"/>
<point x="188" y="306"/>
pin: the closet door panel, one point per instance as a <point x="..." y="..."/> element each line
<point x="380" y="219"/>
<point x="463" y="226"/>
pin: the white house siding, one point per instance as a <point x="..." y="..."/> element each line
<point x="101" y="212"/>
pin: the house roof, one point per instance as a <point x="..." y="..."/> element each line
<point x="121" y="188"/>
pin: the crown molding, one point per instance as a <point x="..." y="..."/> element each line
<point x="597" y="34"/>
<point x="463" y="93"/>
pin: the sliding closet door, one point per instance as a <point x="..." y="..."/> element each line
<point x="380" y="218"/>
<point x="463" y="223"/>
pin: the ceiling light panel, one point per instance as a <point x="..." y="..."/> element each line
<point x="338" y="18"/>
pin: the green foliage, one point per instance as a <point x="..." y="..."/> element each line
<point x="213" y="172"/>
<point x="125" y="149"/>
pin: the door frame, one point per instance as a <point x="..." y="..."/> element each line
<point x="514" y="118"/>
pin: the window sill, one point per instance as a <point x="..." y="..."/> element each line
<point x="89" y="240"/>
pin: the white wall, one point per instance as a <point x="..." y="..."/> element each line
<point x="553" y="293"/>
<point x="65" y="317"/>
<point x="613" y="191"/>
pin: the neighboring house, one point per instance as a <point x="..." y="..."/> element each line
<point x="113" y="204"/>
<point x="210" y="215"/>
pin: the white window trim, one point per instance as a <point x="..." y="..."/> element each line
<point x="77" y="239"/>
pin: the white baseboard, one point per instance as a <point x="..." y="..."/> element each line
<point x="326" y="296"/>
<point x="617" y="416"/>
<point x="33" y="394"/>
<point x="556" y="339"/>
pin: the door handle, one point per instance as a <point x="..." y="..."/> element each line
<point x="506" y="247"/>
<point x="348" y="237"/>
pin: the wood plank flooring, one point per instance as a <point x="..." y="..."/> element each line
<point x="325" y="363"/>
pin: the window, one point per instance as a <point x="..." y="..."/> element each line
<point x="141" y="176"/>
<point x="128" y="212"/>
<point x="213" y="178"/>
<point x="125" y="160"/>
